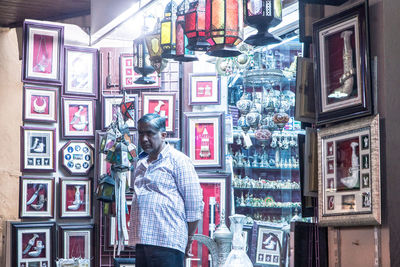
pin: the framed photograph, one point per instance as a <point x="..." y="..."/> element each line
<point x="162" y="104"/>
<point x="42" y="53"/>
<point x="36" y="197"/>
<point x="76" y="241"/>
<point x="75" y="198"/>
<point x="81" y="72"/>
<point x="40" y="103"/>
<point x="204" y="139"/>
<point x="128" y="76"/>
<point x="308" y="14"/>
<point x="204" y="89"/>
<point x="342" y="77"/>
<point x="271" y="248"/>
<point x="175" y="142"/>
<point x="305" y="97"/>
<point x="216" y="197"/>
<point x="110" y="107"/>
<point x="350" y="189"/>
<point x="77" y="157"/>
<point x="38" y="149"/>
<point x="124" y="262"/>
<point x="78" y="120"/>
<point x="33" y="244"/>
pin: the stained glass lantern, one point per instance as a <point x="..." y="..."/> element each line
<point x="195" y="26"/>
<point x="262" y="14"/>
<point x="142" y="62"/>
<point x="127" y="107"/>
<point x="105" y="190"/>
<point x="182" y="52"/>
<point x="224" y="27"/>
<point x="168" y="31"/>
<point x="153" y="42"/>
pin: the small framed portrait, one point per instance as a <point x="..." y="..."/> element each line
<point x="124" y="262"/>
<point x="33" y="244"/>
<point x="204" y="89"/>
<point x="111" y="106"/>
<point x="204" y="139"/>
<point x="305" y="99"/>
<point x="76" y="241"/>
<point x="38" y="149"/>
<point x="42" y="53"/>
<point x="40" y="103"/>
<point x="342" y="77"/>
<point x="355" y="174"/>
<point x="78" y="120"/>
<point x="162" y="104"/>
<point x="75" y="198"/>
<point x="81" y="72"/>
<point x="128" y="76"/>
<point x="77" y="157"/>
<point x="36" y="197"/>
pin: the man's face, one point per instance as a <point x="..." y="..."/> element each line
<point x="150" y="139"/>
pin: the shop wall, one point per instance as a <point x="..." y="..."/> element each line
<point x="10" y="122"/>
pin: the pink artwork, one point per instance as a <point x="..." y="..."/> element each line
<point x="36" y="197"/>
<point x="42" y="53"/>
<point x="204" y="88"/>
<point x="33" y="245"/>
<point x="40" y="104"/>
<point x="75" y="198"/>
<point x="204" y="141"/>
<point x="161" y="107"/>
<point x="78" y="118"/>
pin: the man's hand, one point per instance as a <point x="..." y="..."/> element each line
<point x="188" y="250"/>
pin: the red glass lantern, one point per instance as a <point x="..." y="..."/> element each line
<point x="142" y="62"/>
<point x="262" y="14"/>
<point x="182" y="52"/>
<point x="224" y="27"/>
<point x="195" y="26"/>
<point x="168" y="31"/>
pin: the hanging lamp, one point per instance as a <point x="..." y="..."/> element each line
<point x="142" y="62"/>
<point x="195" y="26"/>
<point x="153" y="43"/>
<point x="182" y="52"/>
<point x="168" y="31"/>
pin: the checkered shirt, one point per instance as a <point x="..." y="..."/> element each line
<point x="167" y="195"/>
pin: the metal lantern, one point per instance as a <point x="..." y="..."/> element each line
<point x="153" y="42"/>
<point x="224" y="27"/>
<point x="105" y="190"/>
<point x="262" y="14"/>
<point x="168" y="36"/>
<point x="195" y="26"/>
<point x="142" y="62"/>
<point x="182" y="52"/>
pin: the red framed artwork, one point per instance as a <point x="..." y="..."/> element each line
<point x="128" y="76"/>
<point x="75" y="198"/>
<point x="76" y="241"/>
<point x="204" y="89"/>
<point x="162" y="104"/>
<point x="40" y="103"/>
<point x="78" y="120"/>
<point x="204" y="139"/>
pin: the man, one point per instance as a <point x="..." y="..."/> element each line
<point x="167" y="203"/>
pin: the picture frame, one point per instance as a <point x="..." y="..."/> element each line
<point x="204" y="89"/>
<point x="204" y="139"/>
<point x="38" y="149"/>
<point x="308" y="14"/>
<point x="36" y="197"/>
<point x="40" y="104"/>
<point x="162" y="104"/>
<point x="77" y="157"/>
<point x="80" y="72"/>
<point x="76" y="241"/>
<point x="110" y="106"/>
<point x="75" y="198"/>
<point x="350" y="190"/>
<point x="271" y="244"/>
<point x="175" y="142"/>
<point x="342" y="72"/>
<point x="305" y="97"/>
<point x="78" y="118"/>
<point x="33" y="244"/>
<point x="42" y="53"/>
<point x="128" y="76"/>
<point x="124" y="262"/>
<point x="216" y="196"/>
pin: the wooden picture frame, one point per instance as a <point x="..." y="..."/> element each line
<point x="349" y="190"/>
<point x="343" y="76"/>
<point x="76" y="241"/>
<point x="204" y="89"/>
<point x="78" y="118"/>
<point x="33" y="244"/>
<point x="38" y="149"/>
<point x="81" y="72"/>
<point x="162" y="104"/>
<point x="111" y="104"/>
<point x="77" y="157"/>
<point x="204" y="139"/>
<point x="36" y="197"/>
<point x="42" y="53"/>
<point x="75" y="198"/>
<point x="40" y="103"/>
<point x="305" y="97"/>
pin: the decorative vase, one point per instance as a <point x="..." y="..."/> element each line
<point x="280" y="119"/>
<point x="244" y="104"/>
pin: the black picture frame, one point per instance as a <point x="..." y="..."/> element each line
<point x="124" y="262"/>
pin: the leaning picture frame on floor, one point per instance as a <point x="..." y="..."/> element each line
<point x="349" y="180"/>
<point x="343" y="73"/>
<point x="75" y="197"/>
